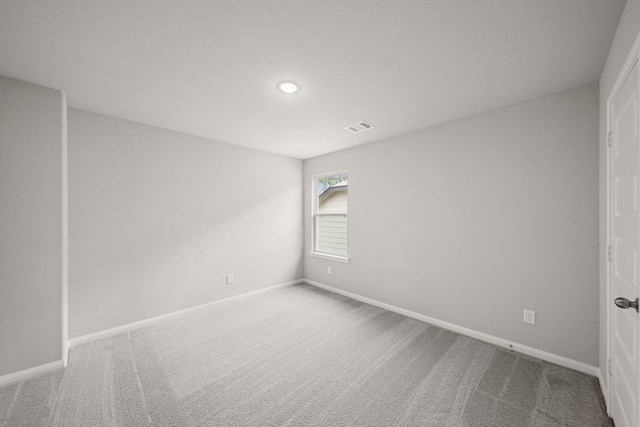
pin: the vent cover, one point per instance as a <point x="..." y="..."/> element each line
<point x="360" y="127"/>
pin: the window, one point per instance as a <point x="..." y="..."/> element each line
<point x="330" y="214"/>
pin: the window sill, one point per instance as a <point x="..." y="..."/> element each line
<point x="330" y="257"/>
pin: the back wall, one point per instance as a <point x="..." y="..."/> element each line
<point x="157" y="219"/>
<point x="472" y="221"/>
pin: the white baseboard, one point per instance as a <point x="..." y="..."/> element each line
<point x="142" y="323"/>
<point x="540" y="354"/>
<point x="31" y="372"/>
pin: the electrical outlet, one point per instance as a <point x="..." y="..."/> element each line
<point x="329" y="270"/>
<point x="229" y="279"/>
<point x="529" y="316"/>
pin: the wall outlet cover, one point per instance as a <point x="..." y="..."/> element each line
<point x="529" y="316"/>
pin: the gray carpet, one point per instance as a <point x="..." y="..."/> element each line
<point x="300" y="356"/>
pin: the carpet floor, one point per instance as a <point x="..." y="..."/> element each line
<point x="301" y="356"/>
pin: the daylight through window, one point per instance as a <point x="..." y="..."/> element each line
<point x="331" y="214"/>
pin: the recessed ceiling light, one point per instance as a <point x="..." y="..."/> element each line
<point x="288" y="87"/>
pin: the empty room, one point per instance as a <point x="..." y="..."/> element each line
<point x="327" y="213"/>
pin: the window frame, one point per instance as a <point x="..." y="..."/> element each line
<point x="314" y="211"/>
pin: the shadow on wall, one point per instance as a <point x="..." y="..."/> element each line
<point x="158" y="219"/>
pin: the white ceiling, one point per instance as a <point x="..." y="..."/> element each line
<point x="210" y="67"/>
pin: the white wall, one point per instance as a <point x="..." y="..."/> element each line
<point x="157" y="219"/>
<point x="483" y="217"/>
<point x="31" y="141"/>
<point x="628" y="30"/>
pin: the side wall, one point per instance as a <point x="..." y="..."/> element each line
<point x="628" y="30"/>
<point x="482" y="218"/>
<point x="31" y="245"/>
<point x="157" y="219"/>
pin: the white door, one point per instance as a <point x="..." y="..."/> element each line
<point x="625" y="255"/>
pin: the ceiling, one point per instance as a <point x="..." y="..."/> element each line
<point x="210" y="67"/>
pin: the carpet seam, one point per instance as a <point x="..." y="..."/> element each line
<point x="287" y="352"/>
<point x="13" y="402"/>
<point x="135" y="368"/>
<point x="419" y="394"/>
<point x="300" y="409"/>
<point x="374" y="366"/>
<point x="359" y="322"/>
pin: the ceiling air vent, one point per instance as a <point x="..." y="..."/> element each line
<point x="360" y="127"/>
